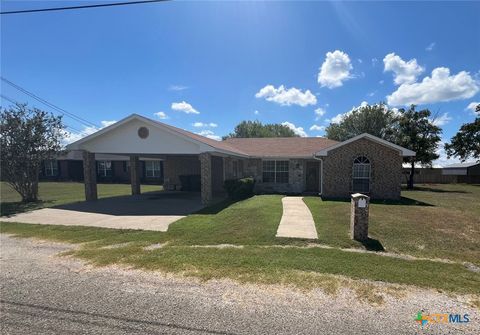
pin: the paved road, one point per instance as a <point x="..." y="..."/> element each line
<point x="45" y="294"/>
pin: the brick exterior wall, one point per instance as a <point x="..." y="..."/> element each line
<point x="175" y="166"/>
<point x="206" y="177"/>
<point x="386" y="170"/>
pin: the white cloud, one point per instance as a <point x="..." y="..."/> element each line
<point x="403" y="72"/>
<point x="317" y="128"/>
<point x="205" y="125"/>
<point x="177" y="88"/>
<point x="209" y="134"/>
<point x="184" y="107"/>
<point x="441" y="86"/>
<point x="339" y="117"/>
<point x="430" y="46"/>
<point x="472" y="106"/>
<point x="359" y="60"/>
<point x="374" y="61"/>
<point x="256" y="112"/>
<point x="381" y="82"/>
<point x="107" y="123"/>
<point x="71" y="136"/>
<point x="287" y="96"/>
<point x="319" y="112"/>
<point x="371" y="94"/>
<point x="297" y="130"/>
<point x="441" y="120"/>
<point x="161" y="115"/>
<point x="443" y="160"/>
<point x="335" y="69"/>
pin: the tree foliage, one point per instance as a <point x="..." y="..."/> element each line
<point x="415" y="130"/>
<point x="28" y="137"/>
<point x="246" y="129"/>
<point x="466" y="143"/>
<point x="373" y="119"/>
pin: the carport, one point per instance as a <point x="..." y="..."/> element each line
<point x="183" y="154"/>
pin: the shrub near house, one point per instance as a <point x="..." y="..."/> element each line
<point x="238" y="189"/>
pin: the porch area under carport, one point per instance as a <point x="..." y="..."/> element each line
<point x="202" y="175"/>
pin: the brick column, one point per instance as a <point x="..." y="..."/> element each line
<point x="90" y="176"/>
<point x="135" y="174"/>
<point x="206" y="177"/>
<point x="359" y="217"/>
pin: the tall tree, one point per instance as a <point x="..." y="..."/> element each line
<point x="28" y="137"/>
<point x="247" y="129"/>
<point x="466" y="143"/>
<point x="373" y="119"/>
<point x="416" y="131"/>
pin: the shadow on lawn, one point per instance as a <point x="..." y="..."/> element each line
<point x="11" y="208"/>
<point x="403" y="201"/>
<point x="372" y="244"/>
<point x="434" y="190"/>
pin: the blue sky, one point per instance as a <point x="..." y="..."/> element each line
<point x="213" y="64"/>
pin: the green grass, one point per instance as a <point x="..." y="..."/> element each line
<point x="448" y="228"/>
<point x="435" y="221"/>
<point x="59" y="193"/>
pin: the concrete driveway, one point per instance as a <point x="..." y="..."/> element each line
<point x="149" y="211"/>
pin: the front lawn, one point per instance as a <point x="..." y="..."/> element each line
<point x="434" y="221"/>
<point x="59" y="193"/>
<point x="237" y="241"/>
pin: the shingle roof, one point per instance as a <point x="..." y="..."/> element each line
<point x="280" y="146"/>
<point x="461" y="165"/>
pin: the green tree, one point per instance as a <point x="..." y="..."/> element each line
<point x="28" y="137"/>
<point x="373" y="119"/>
<point x="466" y="143"/>
<point x="247" y="129"/>
<point x="416" y="131"/>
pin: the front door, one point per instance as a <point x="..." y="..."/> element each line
<point x="312" y="177"/>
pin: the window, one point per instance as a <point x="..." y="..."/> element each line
<point x="104" y="168"/>
<point x="275" y="171"/>
<point x="361" y="175"/>
<point x="51" y="168"/>
<point x="152" y="169"/>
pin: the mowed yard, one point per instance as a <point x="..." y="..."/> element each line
<point x="431" y="239"/>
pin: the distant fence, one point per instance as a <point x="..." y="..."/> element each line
<point x="435" y="176"/>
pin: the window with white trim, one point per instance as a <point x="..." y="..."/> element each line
<point x="104" y="168"/>
<point x="51" y="168"/>
<point x="152" y="169"/>
<point x="275" y="171"/>
<point x="361" y="175"/>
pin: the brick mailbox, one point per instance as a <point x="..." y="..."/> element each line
<point x="359" y="217"/>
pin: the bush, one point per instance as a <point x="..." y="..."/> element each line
<point x="238" y="189"/>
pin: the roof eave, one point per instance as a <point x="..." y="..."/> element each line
<point x="404" y="152"/>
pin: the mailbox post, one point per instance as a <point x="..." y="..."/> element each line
<point x="359" y="217"/>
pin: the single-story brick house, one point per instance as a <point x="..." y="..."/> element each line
<point x="333" y="169"/>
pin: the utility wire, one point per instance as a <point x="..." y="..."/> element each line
<point x="80" y="7"/>
<point x="8" y="99"/>
<point x="17" y="103"/>
<point x="61" y="110"/>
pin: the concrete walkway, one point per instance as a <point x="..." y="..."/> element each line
<point x="66" y="217"/>
<point x="297" y="221"/>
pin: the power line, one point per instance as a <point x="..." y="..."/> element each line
<point x="17" y="103"/>
<point x="61" y="110"/>
<point x="8" y="99"/>
<point x="79" y="7"/>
